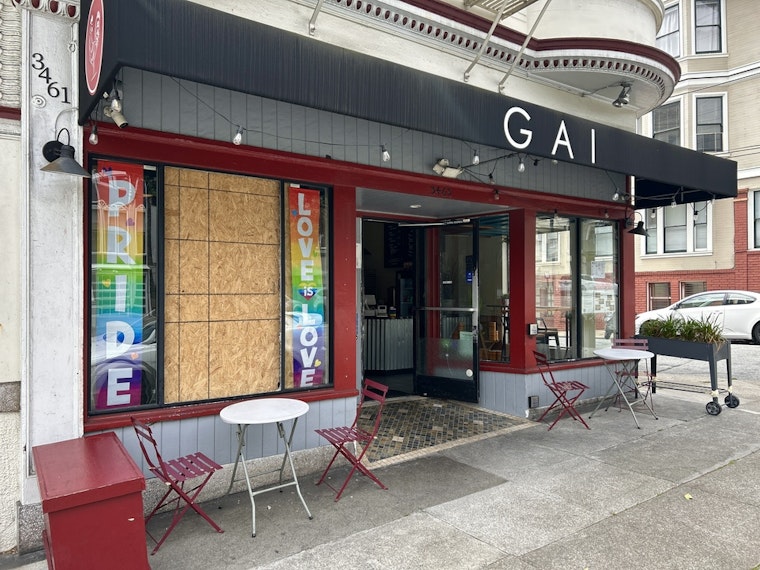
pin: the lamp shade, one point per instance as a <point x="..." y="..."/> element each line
<point x="639" y="230"/>
<point x="62" y="159"/>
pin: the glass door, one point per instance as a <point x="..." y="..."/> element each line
<point x="446" y="336"/>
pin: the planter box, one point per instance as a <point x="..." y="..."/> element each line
<point x="709" y="352"/>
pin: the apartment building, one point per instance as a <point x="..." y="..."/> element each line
<point x="709" y="244"/>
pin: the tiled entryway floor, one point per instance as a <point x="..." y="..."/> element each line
<point x="418" y="424"/>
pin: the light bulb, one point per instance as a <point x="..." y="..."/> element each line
<point x="94" y="135"/>
<point x="116" y="103"/>
<point x="521" y="167"/>
<point x="385" y="154"/>
<point x="238" y="138"/>
<point x="476" y="158"/>
<point x="616" y="196"/>
<point x="653" y="213"/>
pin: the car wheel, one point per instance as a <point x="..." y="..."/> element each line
<point x="756" y="333"/>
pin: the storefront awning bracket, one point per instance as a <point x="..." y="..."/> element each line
<point x="313" y="20"/>
<point x="525" y="44"/>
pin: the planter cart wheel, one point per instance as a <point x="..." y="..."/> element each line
<point x="713" y="408"/>
<point x="732" y="401"/>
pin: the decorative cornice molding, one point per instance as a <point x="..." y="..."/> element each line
<point x="542" y="57"/>
<point x="69" y="9"/>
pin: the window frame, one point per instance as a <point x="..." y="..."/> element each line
<point x="158" y="406"/>
<point x="723" y="125"/>
<point x="753" y="223"/>
<point x="657" y="232"/>
<point x="720" y="25"/>
<point x="676" y="32"/>
<point x="651" y="296"/>
<point x="661" y="108"/>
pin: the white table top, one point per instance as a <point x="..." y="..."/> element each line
<point x="623" y="353"/>
<point x="264" y="411"/>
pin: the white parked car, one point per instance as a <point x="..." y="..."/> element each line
<point x="738" y="312"/>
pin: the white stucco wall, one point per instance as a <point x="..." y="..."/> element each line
<point x="10" y="313"/>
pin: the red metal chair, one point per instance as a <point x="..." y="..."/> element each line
<point x="646" y="386"/>
<point x="374" y="394"/>
<point x="174" y="474"/>
<point x="562" y="391"/>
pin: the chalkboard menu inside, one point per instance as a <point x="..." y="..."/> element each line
<point x="399" y="245"/>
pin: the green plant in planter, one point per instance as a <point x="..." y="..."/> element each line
<point x="691" y="330"/>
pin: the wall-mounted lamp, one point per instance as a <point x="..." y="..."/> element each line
<point x="625" y="95"/>
<point x="639" y="230"/>
<point x="61" y="157"/>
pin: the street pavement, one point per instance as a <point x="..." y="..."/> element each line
<point x="680" y="493"/>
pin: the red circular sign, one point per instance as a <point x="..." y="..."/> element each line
<point x="93" y="55"/>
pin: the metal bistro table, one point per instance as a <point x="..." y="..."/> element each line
<point x="265" y="411"/>
<point x="621" y="364"/>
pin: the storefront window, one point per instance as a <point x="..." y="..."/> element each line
<point x="493" y="273"/>
<point x="576" y="291"/>
<point x="204" y="286"/>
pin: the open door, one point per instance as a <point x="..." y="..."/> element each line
<point x="446" y="335"/>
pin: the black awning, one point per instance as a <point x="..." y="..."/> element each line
<point x="189" y="41"/>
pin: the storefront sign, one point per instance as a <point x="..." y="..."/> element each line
<point x="118" y="287"/>
<point x="307" y="288"/>
<point x="93" y="57"/>
<point x="556" y="142"/>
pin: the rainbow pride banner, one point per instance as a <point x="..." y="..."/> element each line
<point x="307" y="288"/>
<point x="118" y="286"/>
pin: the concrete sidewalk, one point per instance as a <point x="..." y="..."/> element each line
<point x="681" y="492"/>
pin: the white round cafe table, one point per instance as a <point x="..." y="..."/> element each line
<point x="621" y="364"/>
<point x="265" y="411"/>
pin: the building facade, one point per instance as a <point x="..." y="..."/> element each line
<point x="268" y="205"/>
<point x="713" y="245"/>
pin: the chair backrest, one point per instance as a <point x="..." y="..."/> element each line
<point x="149" y="448"/>
<point x="544" y="368"/>
<point x="372" y="392"/>
<point x="634" y="343"/>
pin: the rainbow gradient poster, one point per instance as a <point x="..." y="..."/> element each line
<point x="307" y="288"/>
<point x="118" y="273"/>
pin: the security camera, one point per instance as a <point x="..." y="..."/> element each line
<point x="116" y="117"/>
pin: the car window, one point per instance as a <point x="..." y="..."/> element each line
<point x="739" y="299"/>
<point x="706" y="300"/>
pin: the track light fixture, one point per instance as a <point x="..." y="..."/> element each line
<point x="116" y="117"/>
<point x="385" y="154"/>
<point x="61" y="156"/>
<point x="238" y="138"/>
<point x="625" y="95"/>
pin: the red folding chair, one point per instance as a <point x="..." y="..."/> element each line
<point x="174" y="474"/>
<point x="642" y="384"/>
<point x="369" y="413"/>
<point x="562" y="391"/>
